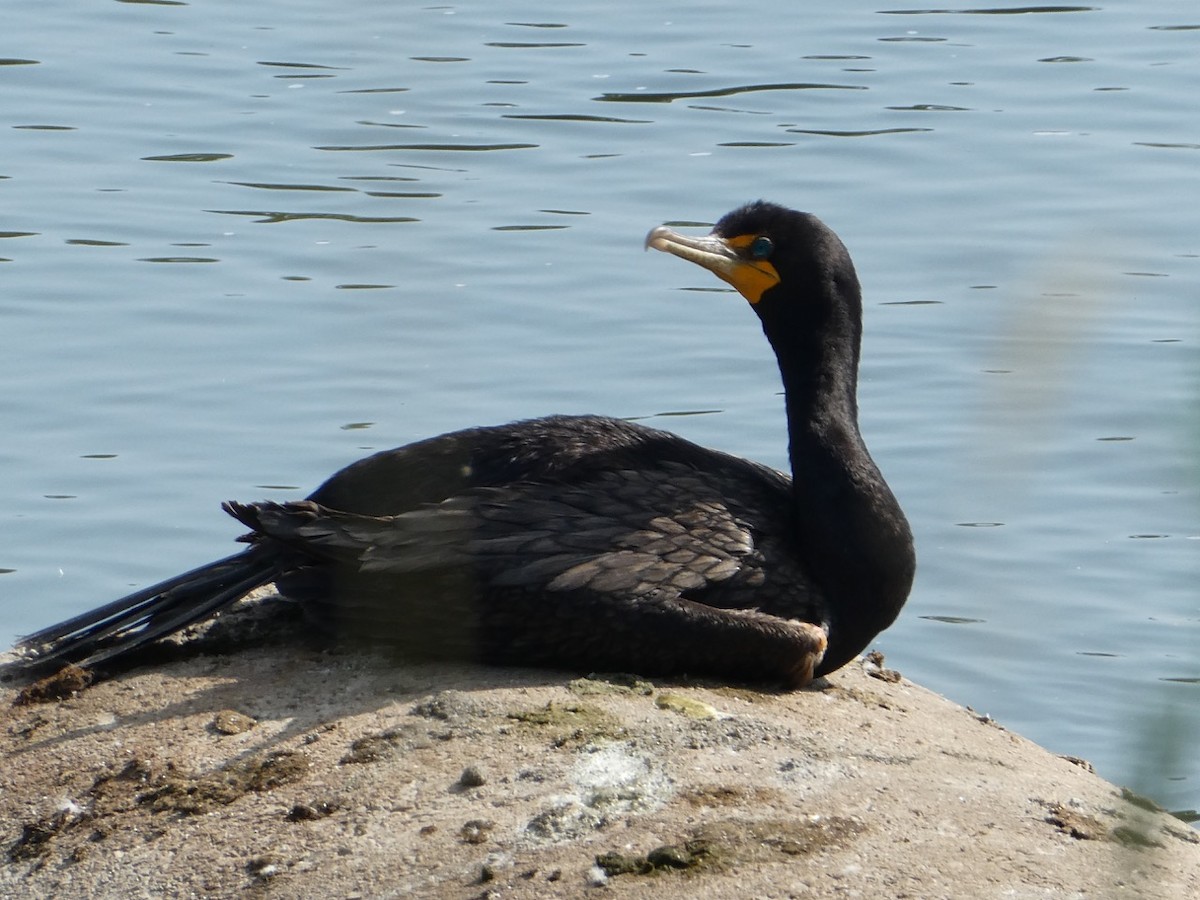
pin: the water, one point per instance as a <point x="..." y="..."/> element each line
<point x="247" y="243"/>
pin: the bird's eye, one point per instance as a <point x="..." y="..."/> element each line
<point x="761" y="247"/>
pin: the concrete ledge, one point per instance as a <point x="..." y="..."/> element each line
<point x="298" y="773"/>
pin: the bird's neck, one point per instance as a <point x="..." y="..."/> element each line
<point x="850" y="529"/>
<point x="832" y="472"/>
<point x="820" y="385"/>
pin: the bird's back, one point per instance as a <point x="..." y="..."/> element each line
<point x="549" y="541"/>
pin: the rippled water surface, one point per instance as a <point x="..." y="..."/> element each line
<point x="244" y="243"/>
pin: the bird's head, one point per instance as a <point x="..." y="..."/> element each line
<point x="779" y="259"/>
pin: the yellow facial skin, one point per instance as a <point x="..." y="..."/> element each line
<point x="725" y="257"/>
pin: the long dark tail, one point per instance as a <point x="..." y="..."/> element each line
<point x="125" y="625"/>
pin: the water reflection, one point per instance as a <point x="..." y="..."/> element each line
<point x="672" y="96"/>
<point x="990" y="11"/>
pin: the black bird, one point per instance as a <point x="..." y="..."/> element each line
<point x="592" y="543"/>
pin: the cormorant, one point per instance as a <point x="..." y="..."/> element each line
<point x="593" y="543"/>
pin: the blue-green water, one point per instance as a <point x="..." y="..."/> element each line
<point x="246" y="243"/>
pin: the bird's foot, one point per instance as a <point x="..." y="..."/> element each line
<point x="811" y="642"/>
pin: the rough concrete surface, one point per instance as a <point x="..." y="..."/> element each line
<point x="285" y="771"/>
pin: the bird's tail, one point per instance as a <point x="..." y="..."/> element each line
<point x="125" y="625"/>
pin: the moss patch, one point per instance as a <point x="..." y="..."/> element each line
<point x="691" y="855"/>
<point x="686" y="706"/>
<point x="570" y="723"/>
<point x="748" y="695"/>
<point x="1075" y="824"/>
<point x="135" y="786"/>
<point x="610" y="684"/>
<point x="195" y="795"/>
<point x="66" y="682"/>
<point x="792" y="837"/>
<point x="36" y="837"/>
<point x="720" y="795"/>
<point x="383" y="745"/>
<point x="719" y="844"/>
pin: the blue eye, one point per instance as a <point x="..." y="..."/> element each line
<point x="761" y="247"/>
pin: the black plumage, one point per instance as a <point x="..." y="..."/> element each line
<point x="594" y="543"/>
